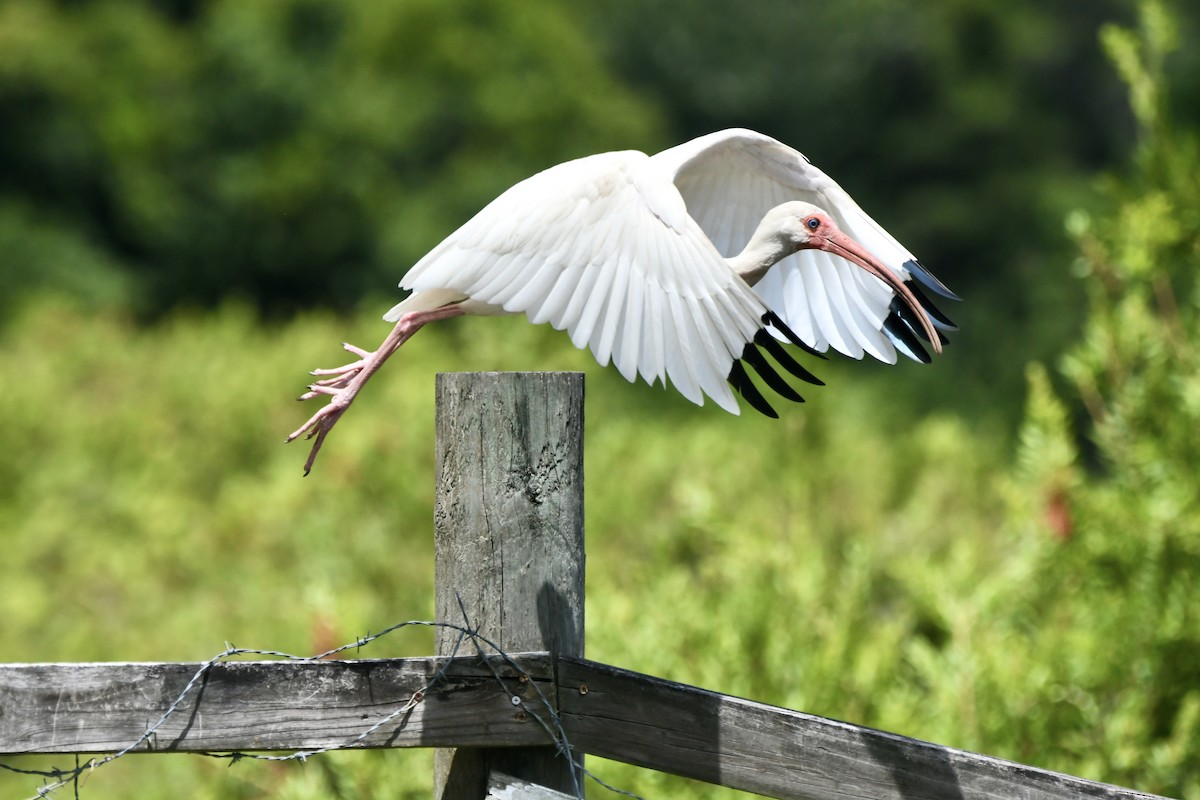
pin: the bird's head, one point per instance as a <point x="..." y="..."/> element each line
<point x="802" y="226"/>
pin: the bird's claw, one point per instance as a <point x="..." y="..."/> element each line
<point x="316" y="391"/>
<point x="342" y="370"/>
<point x="319" y="425"/>
<point x="346" y="371"/>
<point x="334" y="387"/>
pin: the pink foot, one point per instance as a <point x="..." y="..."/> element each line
<point x="343" y="375"/>
<point x="344" y="382"/>
<point x="341" y="389"/>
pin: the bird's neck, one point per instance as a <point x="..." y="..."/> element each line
<point x="763" y="251"/>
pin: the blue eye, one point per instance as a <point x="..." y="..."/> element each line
<point x="813" y="223"/>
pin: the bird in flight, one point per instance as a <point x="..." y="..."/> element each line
<point x="682" y="267"/>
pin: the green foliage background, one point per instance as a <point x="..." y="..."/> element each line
<point x="999" y="552"/>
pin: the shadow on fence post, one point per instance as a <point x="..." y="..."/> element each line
<point x="509" y="540"/>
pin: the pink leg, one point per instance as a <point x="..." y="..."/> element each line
<point x="349" y="379"/>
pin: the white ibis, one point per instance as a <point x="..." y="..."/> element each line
<point x="677" y="266"/>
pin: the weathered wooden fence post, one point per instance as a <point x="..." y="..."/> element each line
<point x="509" y="537"/>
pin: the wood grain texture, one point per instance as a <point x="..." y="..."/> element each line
<point x="263" y="705"/>
<point x="773" y="751"/>
<point x="509" y="537"/>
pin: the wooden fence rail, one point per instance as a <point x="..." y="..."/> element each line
<point x="510" y="556"/>
<point x="265" y="705"/>
<point x="611" y="712"/>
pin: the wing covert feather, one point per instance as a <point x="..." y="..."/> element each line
<point x="603" y="247"/>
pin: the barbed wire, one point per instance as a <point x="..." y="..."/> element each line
<point x="543" y="711"/>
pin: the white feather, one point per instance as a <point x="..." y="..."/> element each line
<point x="631" y="353"/>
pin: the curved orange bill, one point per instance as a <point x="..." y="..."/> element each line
<point x="842" y="245"/>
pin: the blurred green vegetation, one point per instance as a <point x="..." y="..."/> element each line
<point x="290" y="152"/>
<point x="998" y="552"/>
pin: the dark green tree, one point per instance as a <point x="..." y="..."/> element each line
<point x="289" y="151"/>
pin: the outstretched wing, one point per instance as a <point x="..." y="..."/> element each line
<point x="604" y="248"/>
<point x="730" y="180"/>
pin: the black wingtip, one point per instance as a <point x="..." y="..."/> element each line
<point x="929" y="280"/>
<point x="940" y="320"/>
<point x="772" y="319"/>
<point x="745" y="387"/>
<point x="741" y="381"/>
<point x="902" y="335"/>
<point x="772" y="346"/>
<point x="755" y="359"/>
<point x="909" y="317"/>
